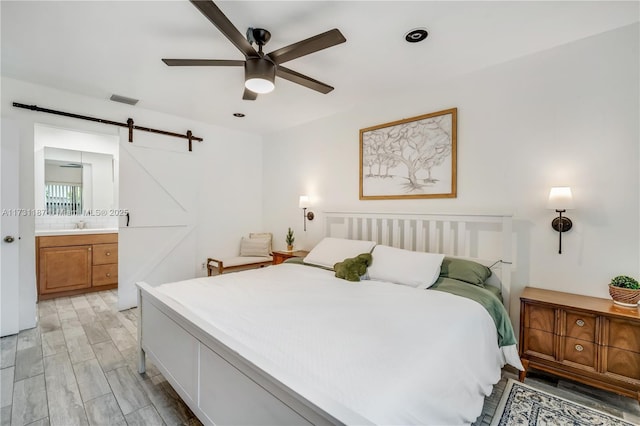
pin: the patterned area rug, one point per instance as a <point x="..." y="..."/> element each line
<point x="523" y="405"/>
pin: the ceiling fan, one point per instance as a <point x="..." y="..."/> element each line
<point x="260" y="69"/>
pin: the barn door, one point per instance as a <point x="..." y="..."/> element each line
<point x="157" y="188"/>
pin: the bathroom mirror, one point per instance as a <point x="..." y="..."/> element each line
<point x="63" y="184"/>
<point x="76" y="182"/>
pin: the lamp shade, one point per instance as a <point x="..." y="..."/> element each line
<point x="259" y="75"/>
<point x="304" y="202"/>
<point x="560" y="198"/>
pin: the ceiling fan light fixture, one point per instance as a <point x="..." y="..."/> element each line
<point x="259" y="75"/>
<point x="259" y="85"/>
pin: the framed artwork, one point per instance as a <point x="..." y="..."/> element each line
<point x="410" y="158"/>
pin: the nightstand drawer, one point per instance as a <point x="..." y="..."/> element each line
<point x="539" y="318"/>
<point x="580" y="325"/>
<point x="538" y="343"/>
<point x="623" y="363"/>
<point x="624" y="335"/>
<point x="580" y="352"/>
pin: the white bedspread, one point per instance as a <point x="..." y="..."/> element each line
<point x="391" y="353"/>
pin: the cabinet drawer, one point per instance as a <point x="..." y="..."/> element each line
<point x="539" y="318"/>
<point x="538" y="343"/>
<point x="581" y="352"/>
<point x="580" y="325"/>
<point x="624" y="335"/>
<point x="623" y="363"/>
<point x="105" y="274"/>
<point x="105" y="254"/>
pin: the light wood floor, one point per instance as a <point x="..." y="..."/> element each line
<point x="78" y="367"/>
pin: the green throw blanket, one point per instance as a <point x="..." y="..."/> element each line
<point x="486" y="298"/>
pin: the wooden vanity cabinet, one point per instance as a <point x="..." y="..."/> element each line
<point x="72" y="264"/>
<point x="587" y="339"/>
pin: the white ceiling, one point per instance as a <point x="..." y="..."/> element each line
<point x="98" y="48"/>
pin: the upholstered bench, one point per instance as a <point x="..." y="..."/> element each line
<point x="255" y="252"/>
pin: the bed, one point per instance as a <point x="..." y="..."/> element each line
<point x="293" y="344"/>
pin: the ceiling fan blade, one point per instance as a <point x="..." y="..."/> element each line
<point x="202" y="63"/>
<point x="222" y="23"/>
<point x="303" y="80"/>
<point x="248" y="95"/>
<point x="305" y="47"/>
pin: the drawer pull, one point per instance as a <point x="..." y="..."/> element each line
<point x="109" y="254"/>
<point x="580" y="323"/>
<point x="579" y="348"/>
<point x="108" y="274"/>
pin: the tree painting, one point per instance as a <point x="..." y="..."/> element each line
<point x="412" y="158"/>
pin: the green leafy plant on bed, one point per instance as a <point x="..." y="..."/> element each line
<point x="290" y="239"/>
<point x="625" y="290"/>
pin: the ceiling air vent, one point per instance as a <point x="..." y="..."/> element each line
<point x="124" y="99"/>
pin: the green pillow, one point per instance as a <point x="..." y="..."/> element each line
<point x="465" y="270"/>
<point x="351" y="269"/>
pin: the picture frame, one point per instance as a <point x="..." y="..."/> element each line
<point x="411" y="158"/>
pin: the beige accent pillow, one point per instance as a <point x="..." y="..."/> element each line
<point x="264" y="235"/>
<point x="254" y="247"/>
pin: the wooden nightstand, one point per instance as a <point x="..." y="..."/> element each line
<point x="281" y="256"/>
<point x="583" y="338"/>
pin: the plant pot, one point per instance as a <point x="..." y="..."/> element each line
<point x="289" y="248"/>
<point x="624" y="296"/>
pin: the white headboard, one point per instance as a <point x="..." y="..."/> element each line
<point x="486" y="238"/>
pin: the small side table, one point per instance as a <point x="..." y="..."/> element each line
<point x="280" y="256"/>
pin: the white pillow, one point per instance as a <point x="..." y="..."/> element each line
<point x="412" y="268"/>
<point x="331" y="250"/>
<point x="254" y="247"/>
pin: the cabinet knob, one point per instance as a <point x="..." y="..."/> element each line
<point x="579" y="348"/>
<point x="108" y="253"/>
<point x="580" y="323"/>
<point x="108" y="274"/>
<point x="89" y="249"/>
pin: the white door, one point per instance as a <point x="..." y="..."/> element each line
<point x="9" y="227"/>
<point x="158" y="188"/>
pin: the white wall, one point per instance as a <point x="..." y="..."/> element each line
<point x="567" y="116"/>
<point x="229" y="171"/>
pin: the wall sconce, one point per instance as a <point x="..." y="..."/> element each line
<point x="560" y="200"/>
<point x="304" y="205"/>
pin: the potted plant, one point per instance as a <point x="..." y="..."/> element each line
<point x="625" y="291"/>
<point x="290" y="239"/>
